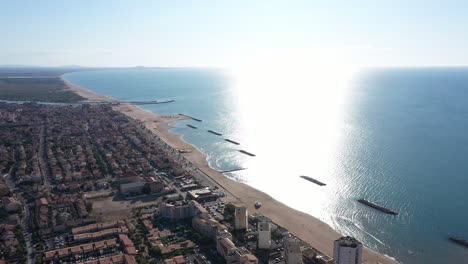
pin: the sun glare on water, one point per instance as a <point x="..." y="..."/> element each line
<point x="291" y="116"/>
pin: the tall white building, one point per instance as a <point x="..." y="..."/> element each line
<point x="240" y="218"/>
<point x="347" y="250"/>
<point x="292" y="251"/>
<point x="264" y="235"/>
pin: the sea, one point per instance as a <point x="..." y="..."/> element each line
<point x="395" y="136"/>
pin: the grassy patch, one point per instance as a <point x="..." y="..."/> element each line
<point x="37" y="89"/>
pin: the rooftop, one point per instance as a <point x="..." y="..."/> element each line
<point x="348" y="241"/>
<point x="133" y="184"/>
<point x="292" y="246"/>
<point x="263" y="226"/>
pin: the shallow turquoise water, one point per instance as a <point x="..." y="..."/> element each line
<point x="394" y="136"/>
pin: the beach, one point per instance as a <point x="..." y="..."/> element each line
<point x="317" y="233"/>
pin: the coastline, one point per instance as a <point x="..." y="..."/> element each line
<point x="317" y="233"/>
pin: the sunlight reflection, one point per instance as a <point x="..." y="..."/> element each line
<point x="291" y="113"/>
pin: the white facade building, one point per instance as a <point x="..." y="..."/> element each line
<point x="240" y="218"/>
<point x="292" y="251"/>
<point x="347" y="250"/>
<point x="264" y="235"/>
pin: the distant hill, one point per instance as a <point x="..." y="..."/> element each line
<point x="72" y="66"/>
<point x="33" y="71"/>
<point x="18" y="66"/>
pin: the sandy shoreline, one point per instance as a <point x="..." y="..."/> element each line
<point x="310" y="229"/>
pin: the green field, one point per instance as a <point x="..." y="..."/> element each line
<point x="37" y="89"/>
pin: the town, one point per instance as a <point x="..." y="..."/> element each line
<point x="88" y="184"/>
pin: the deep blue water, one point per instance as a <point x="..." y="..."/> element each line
<point x="398" y="137"/>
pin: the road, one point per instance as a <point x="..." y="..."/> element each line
<point x="27" y="234"/>
<point x="43" y="159"/>
<point x="25" y="222"/>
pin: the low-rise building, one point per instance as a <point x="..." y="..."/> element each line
<point x="167" y="249"/>
<point x="241" y="255"/>
<point x="155" y="185"/>
<point x="314" y="256"/>
<point x="225" y="247"/>
<point x="10" y="204"/>
<point x="96" y="227"/>
<point x="129" y="248"/>
<point x="100" y="234"/>
<point x="77" y="250"/>
<point x="210" y="228"/>
<point x="204" y="194"/>
<point x="248" y="259"/>
<point x="177" y="212"/>
<point x="175" y="260"/>
<point x="4" y="190"/>
<point x="132" y="187"/>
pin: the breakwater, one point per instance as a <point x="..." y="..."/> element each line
<point x="232" y="141"/>
<point x="215" y="133"/>
<point x="459" y="241"/>
<point x="313" y="180"/>
<point x="233" y="170"/>
<point x="191" y="117"/>
<point x="378" y="207"/>
<point x="247" y="153"/>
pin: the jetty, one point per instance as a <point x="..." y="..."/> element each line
<point x="147" y="102"/>
<point x="312" y="180"/>
<point x="232" y="141"/>
<point x="378" y="207"/>
<point x="191" y="117"/>
<point x="247" y="153"/>
<point x="194" y="127"/>
<point x="459" y="241"/>
<point x="214" y="132"/>
<point x="239" y="169"/>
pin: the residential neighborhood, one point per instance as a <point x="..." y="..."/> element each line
<point x="87" y="184"/>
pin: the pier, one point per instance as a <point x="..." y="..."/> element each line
<point x="233" y="170"/>
<point x="147" y="102"/>
<point x="214" y="132"/>
<point x="194" y="127"/>
<point x="247" y="153"/>
<point x="232" y="141"/>
<point x="196" y="119"/>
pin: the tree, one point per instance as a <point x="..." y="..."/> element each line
<point x="155" y="251"/>
<point x="39" y="246"/>
<point x="146" y="190"/>
<point x="229" y="210"/>
<point x="89" y="206"/>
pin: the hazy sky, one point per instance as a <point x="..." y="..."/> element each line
<point x="224" y="33"/>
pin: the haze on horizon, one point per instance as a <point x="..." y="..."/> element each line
<point x="233" y="33"/>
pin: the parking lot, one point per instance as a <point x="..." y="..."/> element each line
<point x="215" y="209"/>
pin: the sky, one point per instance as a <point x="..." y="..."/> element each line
<point x="222" y="33"/>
